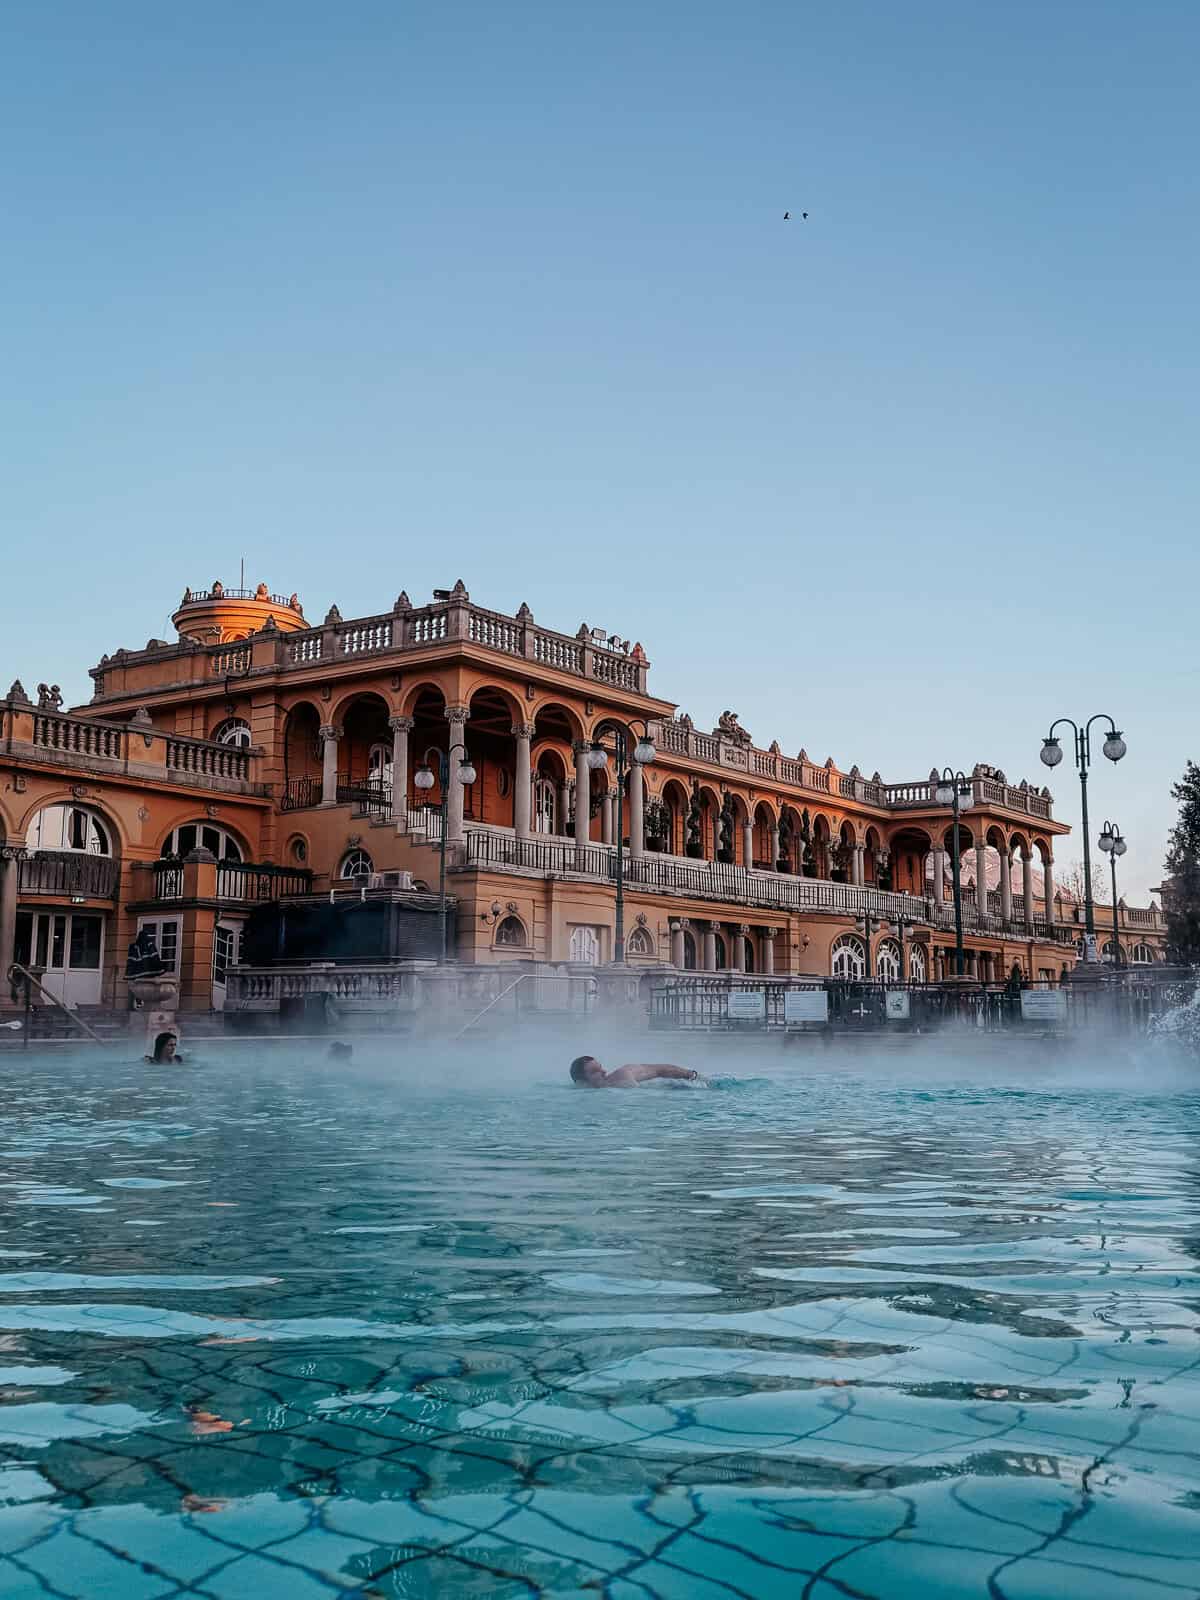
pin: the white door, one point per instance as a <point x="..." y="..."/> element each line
<point x="227" y="952"/>
<point x="69" y="947"/>
<point x="543" y="806"/>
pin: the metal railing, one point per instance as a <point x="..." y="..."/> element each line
<point x="300" y="794"/>
<point x="69" y="872"/>
<point x="236" y="880"/>
<point x="22" y="980"/>
<point x="370" y="797"/>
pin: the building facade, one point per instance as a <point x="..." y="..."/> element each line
<point x="258" y="756"/>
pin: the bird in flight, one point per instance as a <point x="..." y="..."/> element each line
<point x="787" y="216"/>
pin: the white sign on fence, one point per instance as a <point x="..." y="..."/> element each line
<point x="896" y="1001"/>
<point x="1043" y="1005"/>
<point x="747" y="1005"/>
<point x="806" y="1005"/>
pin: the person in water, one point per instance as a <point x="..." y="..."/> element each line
<point x="164" y="1050"/>
<point x="587" y="1073"/>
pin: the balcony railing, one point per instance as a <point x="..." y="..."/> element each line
<point x="69" y="872"/>
<point x="236" y="880"/>
<point x="300" y="794"/>
<point x="731" y="885"/>
<point x="370" y="797"/>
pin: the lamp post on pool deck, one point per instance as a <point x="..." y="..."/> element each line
<point x="951" y="788"/>
<point x="597" y="760"/>
<point x="423" y="779"/>
<point x="1052" y="754"/>
<point x="1112" y="842"/>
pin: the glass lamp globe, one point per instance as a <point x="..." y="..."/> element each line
<point x="1115" y="746"/>
<point x="597" y="758"/>
<point x="423" y="776"/>
<point x="466" y="772"/>
<point x="944" y="794"/>
<point x="1051" y="752"/>
<point x="644" y="751"/>
<point x="1119" y="846"/>
<point x="1107" y="841"/>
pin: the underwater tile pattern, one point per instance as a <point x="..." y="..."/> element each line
<point x="273" y="1328"/>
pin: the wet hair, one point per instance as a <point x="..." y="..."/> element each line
<point x="160" y="1044"/>
<point x="579" y="1068"/>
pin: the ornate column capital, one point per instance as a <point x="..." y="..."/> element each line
<point x="523" y="730"/>
<point x="581" y="746"/>
<point x="457" y="715"/>
<point x="13" y="852"/>
<point x="402" y="724"/>
<point x="330" y="731"/>
<point x="679" y="924"/>
<point x="714" y="927"/>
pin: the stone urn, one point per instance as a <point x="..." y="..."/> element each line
<point x="156" y="994"/>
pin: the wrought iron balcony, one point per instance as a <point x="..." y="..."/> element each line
<point x="70" y="872"/>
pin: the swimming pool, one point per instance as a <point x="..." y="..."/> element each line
<point x="276" y="1328"/>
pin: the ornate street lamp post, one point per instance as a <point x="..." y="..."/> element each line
<point x="597" y="760"/>
<point x="1052" y="754"/>
<point x="423" y="779"/>
<point x="1112" y="842"/>
<point x="951" y="788"/>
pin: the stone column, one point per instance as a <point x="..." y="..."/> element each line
<point x="981" y="889"/>
<point x="1006" y="884"/>
<point x="709" y="957"/>
<point x="329" y="773"/>
<point x="606" y="816"/>
<point x="637" y="824"/>
<point x="748" y="843"/>
<point x="456" y="716"/>
<point x="1027" y="885"/>
<point x="939" y="876"/>
<point x="677" y="945"/>
<point x="523" y="780"/>
<point x="860" y="876"/>
<point x="583" y="791"/>
<point x="738" y="940"/>
<point x="774" y="846"/>
<point x="1048" y="882"/>
<point x="10" y="867"/>
<point x="768" y="952"/>
<point x="564" y="805"/>
<point x="401" y="728"/>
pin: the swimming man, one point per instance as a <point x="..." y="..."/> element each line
<point x="587" y="1072"/>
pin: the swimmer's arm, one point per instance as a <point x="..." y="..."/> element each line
<point x="643" y="1071"/>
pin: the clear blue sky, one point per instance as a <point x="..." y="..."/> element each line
<point x="382" y="295"/>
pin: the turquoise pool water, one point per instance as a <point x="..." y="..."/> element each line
<point x="272" y="1329"/>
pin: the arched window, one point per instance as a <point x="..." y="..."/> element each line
<point x="356" y="864"/>
<point x="639" y="943"/>
<point x="917" y="969"/>
<point x="848" y="958"/>
<point x="887" y="961"/>
<point x="69" y="828"/>
<point x="234" y="731"/>
<point x="1110" y="951"/>
<point x="191" y="836"/>
<point x="689" y="953"/>
<point x="511" y="932"/>
<point x="584" y="946"/>
<point x="1141" y="954"/>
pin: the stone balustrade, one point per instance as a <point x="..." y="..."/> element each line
<point x="405" y="628"/>
<point x="134" y="748"/>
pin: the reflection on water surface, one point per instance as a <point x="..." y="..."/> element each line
<point x="269" y="1330"/>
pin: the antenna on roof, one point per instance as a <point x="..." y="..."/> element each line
<point x="242" y="579"/>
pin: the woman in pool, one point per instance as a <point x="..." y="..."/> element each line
<point x="587" y="1073"/>
<point x="164" y="1050"/>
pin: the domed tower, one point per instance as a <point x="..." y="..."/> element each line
<point x="219" y="615"/>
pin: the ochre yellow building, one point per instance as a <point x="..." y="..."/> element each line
<point x="284" y="758"/>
